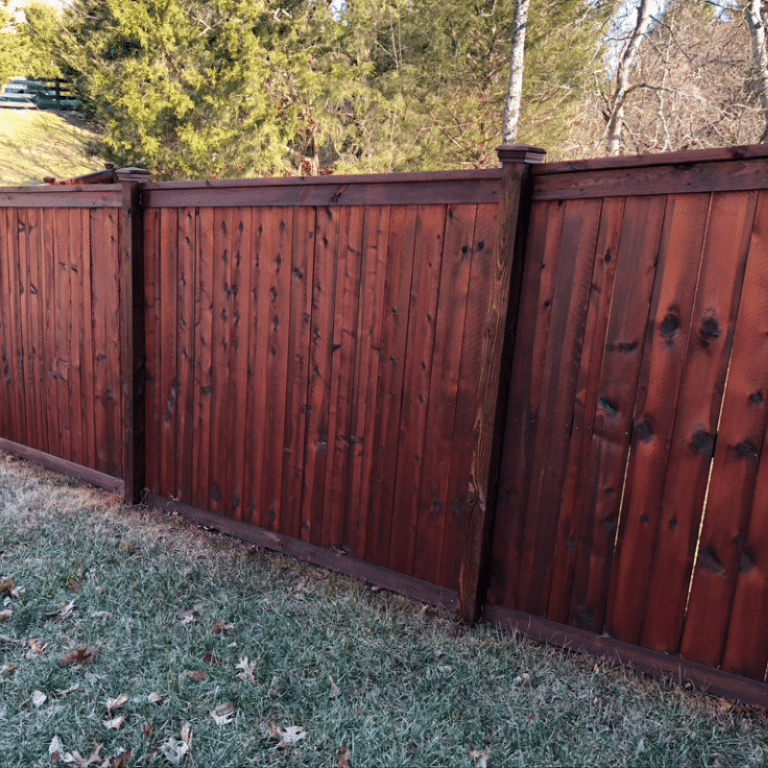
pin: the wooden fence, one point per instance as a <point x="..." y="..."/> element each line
<point x="331" y="368"/>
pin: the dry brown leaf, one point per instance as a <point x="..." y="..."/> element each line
<point x="335" y="690"/>
<point x="74" y="585"/>
<point x="173" y="749"/>
<point x="80" y="656"/>
<point x="71" y="689"/>
<point x="189" y="617"/>
<point x="122" y="760"/>
<point x="287" y="737"/>
<point x="481" y="758"/>
<point x="120" y="701"/>
<point x="344" y="758"/>
<point x="8" y="668"/>
<point x="221" y="628"/>
<point x="85" y="762"/>
<point x="6" y="615"/>
<point x="115" y="724"/>
<point x="223" y="714"/>
<point x="67" y="609"/>
<point x="523" y="681"/>
<point x="198" y="676"/>
<point x="36" y="648"/>
<point x="155" y="698"/>
<point x="6" y="585"/>
<point x="248" y="668"/>
<point x="212" y="659"/>
<point x="18" y="592"/>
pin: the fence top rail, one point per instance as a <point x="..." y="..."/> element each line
<point x="482" y="186"/>
<point x="80" y="196"/>
<point x="708" y="170"/>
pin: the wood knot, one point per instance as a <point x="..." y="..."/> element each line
<point x="703" y="442"/>
<point x="643" y="431"/>
<point x="669" y="326"/>
<point x="710" y="329"/>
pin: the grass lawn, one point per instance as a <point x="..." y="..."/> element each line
<point x="36" y="144"/>
<point x="133" y="639"/>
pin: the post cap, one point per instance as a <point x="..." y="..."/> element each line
<point x="521" y="153"/>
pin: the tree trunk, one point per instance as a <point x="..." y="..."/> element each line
<point x="756" y="22"/>
<point x="614" y="114"/>
<point x="515" y="94"/>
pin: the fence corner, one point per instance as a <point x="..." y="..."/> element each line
<point x="132" y="343"/>
<point x="503" y="304"/>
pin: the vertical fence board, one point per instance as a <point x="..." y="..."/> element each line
<point x="9" y="419"/>
<point x="50" y="290"/>
<point x="435" y="514"/>
<point x="223" y="220"/>
<point x="152" y="261"/>
<point x="360" y="510"/>
<point x="569" y="304"/>
<point x="297" y="376"/>
<point x="722" y="554"/>
<point x="276" y="262"/>
<point x="34" y="342"/>
<point x="693" y="439"/>
<point x="185" y="312"/>
<point x="461" y="480"/>
<point x="345" y="341"/>
<point x="169" y="388"/>
<point x="63" y="329"/>
<point x="83" y="423"/>
<point x="625" y="339"/>
<point x="114" y="413"/>
<point x="27" y="330"/>
<point x="256" y="407"/>
<point x="422" y="312"/>
<point x="201" y="456"/>
<point x="587" y="392"/>
<point x="534" y="319"/>
<point x="682" y="239"/>
<point x="397" y="286"/>
<point x="237" y="398"/>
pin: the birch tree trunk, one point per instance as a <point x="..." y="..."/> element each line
<point x="756" y="22"/>
<point x="614" y="113"/>
<point x="515" y="94"/>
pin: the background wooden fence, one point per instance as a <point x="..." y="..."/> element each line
<point x="329" y="367"/>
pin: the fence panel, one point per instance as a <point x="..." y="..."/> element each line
<point x="639" y="376"/>
<point x="59" y="315"/>
<point x="331" y="375"/>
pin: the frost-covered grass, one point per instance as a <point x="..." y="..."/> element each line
<point x="220" y="651"/>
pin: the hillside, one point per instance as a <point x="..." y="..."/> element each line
<point x="35" y="144"/>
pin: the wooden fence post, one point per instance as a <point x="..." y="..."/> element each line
<point x="514" y="207"/>
<point x="132" y="344"/>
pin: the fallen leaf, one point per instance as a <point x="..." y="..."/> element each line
<point x="80" y="656"/>
<point x="212" y="659"/>
<point x="344" y="758"/>
<point x="335" y="690"/>
<point x="6" y="615"/>
<point x="120" y="701"/>
<point x="55" y="746"/>
<point x="155" y="698"/>
<point x="71" y="689"/>
<point x="523" y="681"/>
<point x="8" y="668"/>
<point x="189" y="617"/>
<point x="288" y="736"/>
<point x="115" y="723"/>
<point x="248" y="668"/>
<point x="74" y="585"/>
<point x="36" y="648"/>
<point x="220" y="628"/>
<point x="198" y="675"/>
<point x="122" y="760"/>
<point x="481" y="758"/>
<point x="223" y="714"/>
<point x="67" y="609"/>
<point x="6" y="585"/>
<point x="18" y="592"/>
<point x="174" y="749"/>
<point x="94" y="758"/>
<point x="39" y="698"/>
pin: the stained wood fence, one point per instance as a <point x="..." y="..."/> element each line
<point x="538" y="392"/>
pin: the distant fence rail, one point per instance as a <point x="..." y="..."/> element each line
<point x="539" y="391"/>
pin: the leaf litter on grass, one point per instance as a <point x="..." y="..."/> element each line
<point x="307" y="661"/>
